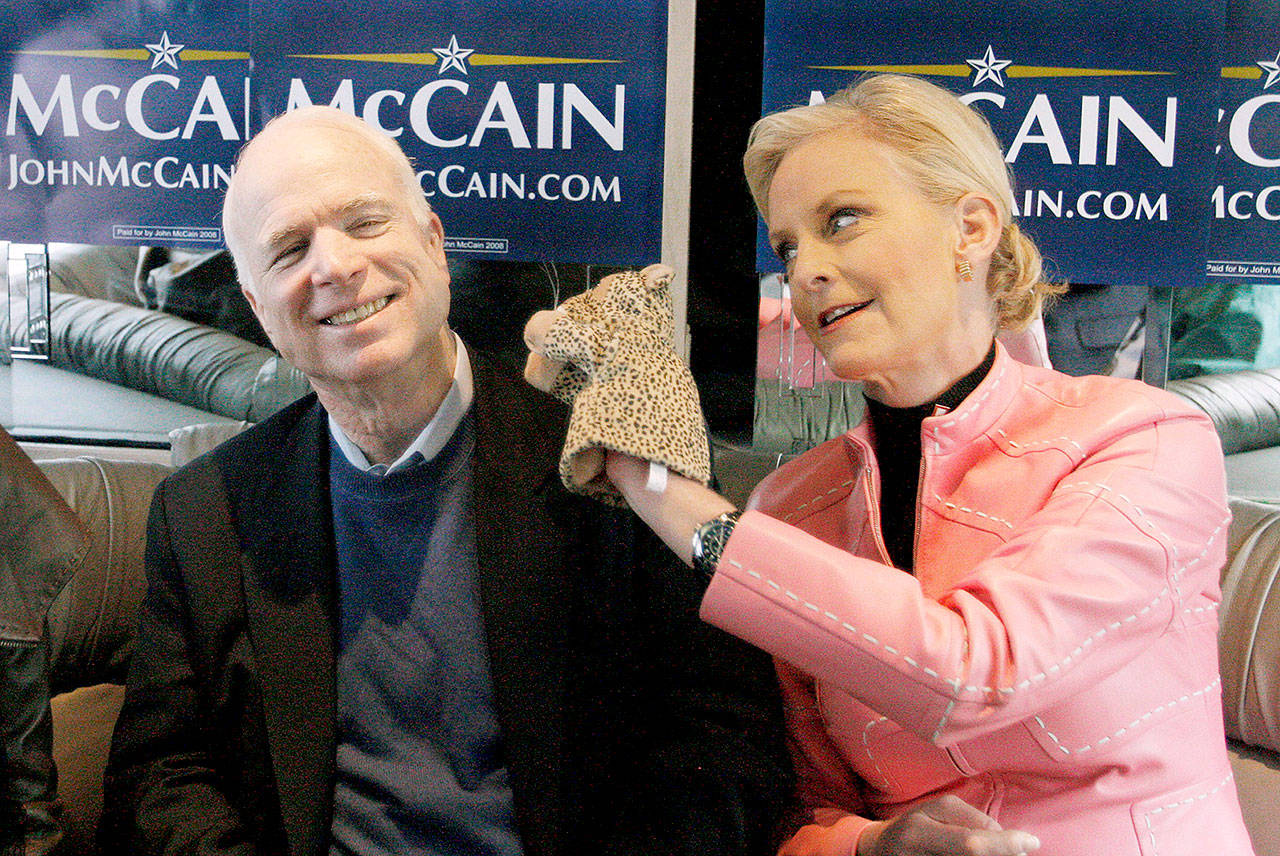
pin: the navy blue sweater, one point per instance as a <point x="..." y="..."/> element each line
<point x="419" y="763"/>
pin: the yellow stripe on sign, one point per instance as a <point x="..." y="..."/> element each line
<point x="402" y="58"/>
<point x="122" y="53"/>
<point x="199" y="56"/>
<point x="499" y="59"/>
<point x="938" y="70"/>
<point x="474" y="59"/>
<point x="1051" y="71"/>
<point x="1242" y="72"/>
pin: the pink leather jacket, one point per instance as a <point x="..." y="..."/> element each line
<point x="1053" y="661"/>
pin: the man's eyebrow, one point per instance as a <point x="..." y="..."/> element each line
<point x="363" y="202"/>
<point x="282" y="236"/>
<point x="358" y="204"/>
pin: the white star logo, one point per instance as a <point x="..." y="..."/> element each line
<point x="166" y="52"/>
<point x="1272" y="69"/>
<point x="988" y="67"/>
<point x="453" y="56"/>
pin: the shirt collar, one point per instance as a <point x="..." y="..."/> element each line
<point x="456" y="403"/>
<point x="906" y="420"/>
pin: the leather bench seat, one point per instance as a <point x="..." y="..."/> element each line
<point x="1245" y="409"/>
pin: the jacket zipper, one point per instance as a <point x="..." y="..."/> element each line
<point x="953" y="752"/>
<point x="872" y="499"/>
<point x="915" y="523"/>
<point x="956" y="757"/>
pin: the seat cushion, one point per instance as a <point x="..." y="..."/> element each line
<point x="1257" y="773"/>
<point x="83" y="721"/>
<point x="1255" y="475"/>
<point x="91" y="623"/>
<point x="191" y="441"/>
<point x="171" y="357"/>
<point x="1244" y="406"/>
<point x="1249" y="622"/>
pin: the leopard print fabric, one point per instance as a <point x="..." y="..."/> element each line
<point x="629" y="390"/>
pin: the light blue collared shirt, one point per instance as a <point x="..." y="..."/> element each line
<point x="457" y="401"/>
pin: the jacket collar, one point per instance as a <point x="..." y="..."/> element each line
<point x="522" y="519"/>
<point x="290" y="608"/>
<point x="946" y="430"/>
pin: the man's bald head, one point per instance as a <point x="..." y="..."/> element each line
<point x="271" y="143"/>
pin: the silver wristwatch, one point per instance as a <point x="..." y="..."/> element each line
<point x="709" y="540"/>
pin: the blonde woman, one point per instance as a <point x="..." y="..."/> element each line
<point x="993" y="603"/>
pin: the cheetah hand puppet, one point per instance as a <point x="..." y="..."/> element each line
<point x="608" y="353"/>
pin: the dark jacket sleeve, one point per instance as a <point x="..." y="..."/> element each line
<point x="171" y="776"/>
<point x="711" y="774"/>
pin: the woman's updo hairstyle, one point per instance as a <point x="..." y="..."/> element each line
<point x="944" y="146"/>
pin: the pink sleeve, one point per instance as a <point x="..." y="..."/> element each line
<point x="1078" y="589"/>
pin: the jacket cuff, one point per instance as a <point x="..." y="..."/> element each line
<point x="838" y="839"/>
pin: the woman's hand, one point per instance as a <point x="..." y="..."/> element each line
<point x="672" y="513"/>
<point x="947" y="826"/>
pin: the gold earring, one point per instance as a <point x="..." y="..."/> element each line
<point x="965" y="270"/>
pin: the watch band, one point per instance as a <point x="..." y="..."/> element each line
<point x="709" y="540"/>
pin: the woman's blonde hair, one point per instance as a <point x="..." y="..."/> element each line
<point x="946" y="148"/>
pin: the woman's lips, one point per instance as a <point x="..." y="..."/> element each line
<point x="835" y="313"/>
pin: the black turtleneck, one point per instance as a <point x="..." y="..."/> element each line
<point x="896" y="435"/>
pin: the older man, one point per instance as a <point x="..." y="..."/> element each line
<point x="375" y="623"/>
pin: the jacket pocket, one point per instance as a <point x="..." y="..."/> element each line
<point x="1147" y="694"/>
<point x="1201" y="818"/>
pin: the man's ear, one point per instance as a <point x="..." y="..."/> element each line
<point x="433" y="235"/>
<point x="249" y="296"/>
<point x="979" y="226"/>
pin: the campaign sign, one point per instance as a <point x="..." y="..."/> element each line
<point x="1244" y="244"/>
<point x="536" y="129"/>
<point x="534" y="136"/>
<point x="1105" y="110"/>
<point x="121" y="122"/>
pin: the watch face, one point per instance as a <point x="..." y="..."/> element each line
<point x="709" y="541"/>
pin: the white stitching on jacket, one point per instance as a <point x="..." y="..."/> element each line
<point x="970" y="688"/>
<point x="1121" y="732"/>
<point x="802" y="506"/>
<point x="977" y="405"/>
<point x="974" y="511"/>
<point x="955" y="685"/>
<point x="1050" y="443"/>
<point x="1151" y="831"/>
<point x="866" y="732"/>
<point x="1177" y="569"/>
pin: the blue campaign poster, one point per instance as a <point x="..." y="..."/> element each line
<point x="1244" y="245"/>
<point x="1105" y="110"/>
<point x="537" y="129"/>
<point x="121" y="121"/>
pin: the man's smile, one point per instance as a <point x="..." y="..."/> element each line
<point x="361" y="312"/>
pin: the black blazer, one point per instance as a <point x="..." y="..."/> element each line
<point x="630" y="726"/>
